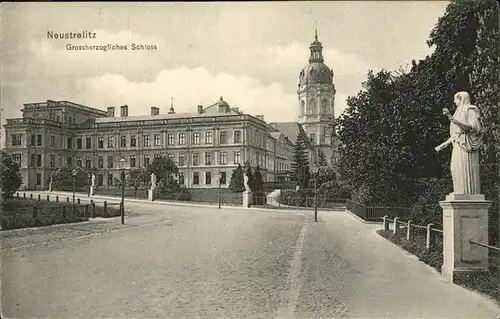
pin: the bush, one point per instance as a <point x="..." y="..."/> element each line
<point x="426" y="208"/>
<point x="11" y="177"/>
<point x="259" y="198"/>
<point x="172" y="191"/>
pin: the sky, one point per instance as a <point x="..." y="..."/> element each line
<point x="250" y="53"/>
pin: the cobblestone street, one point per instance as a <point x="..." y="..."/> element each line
<point x="181" y="261"/>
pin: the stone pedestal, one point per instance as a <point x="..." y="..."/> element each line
<point x="91" y="190"/>
<point x="50" y="187"/>
<point x="247" y="199"/>
<point x="465" y="218"/>
<point x="151" y="194"/>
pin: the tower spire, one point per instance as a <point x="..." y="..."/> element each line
<point x="172" y="111"/>
<point x="316" y="31"/>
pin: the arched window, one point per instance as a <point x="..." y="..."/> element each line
<point x="311" y="107"/>
<point x="302" y="107"/>
<point x="324" y="106"/>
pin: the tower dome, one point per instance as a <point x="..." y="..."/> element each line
<point x="316" y="71"/>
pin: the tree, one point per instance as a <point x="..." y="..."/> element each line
<point x="248" y="173"/>
<point x="258" y="182"/>
<point x="322" y="159"/>
<point x="164" y="168"/>
<point x="63" y="177"/>
<point x="237" y="179"/>
<point x="11" y="176"/>
<point x="300" y="164"/>
<point x="138" y="178"/>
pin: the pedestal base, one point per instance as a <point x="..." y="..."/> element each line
<point x="50" y="187"/>
<point x="465" y="219"/>
<point x="151" y="195"/>
<point x="91" y="190"/>
<point x="247" y="199"/>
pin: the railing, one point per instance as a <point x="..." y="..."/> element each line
<point x="375" y="213"/>
<point x="430" y="238"/>
<point x="486" y="246"/>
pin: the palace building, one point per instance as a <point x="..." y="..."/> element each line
<point x="204" y="143"/>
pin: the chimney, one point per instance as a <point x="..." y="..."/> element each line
<point x="155" y="110"/>
<point x="124" y="110"/>
<point x="260" y="117"/>
<point x="200" y="109"/>
<point x="111" y="111"/>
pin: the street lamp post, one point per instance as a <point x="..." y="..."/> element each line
<point x="315" y="172"/>
<point x="220" y="176"/>
<point x="74" y="178"/>
<point x="122" y="204"/>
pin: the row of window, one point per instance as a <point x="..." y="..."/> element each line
<point x="172" y="139"/>
<point x="311" y="107"/>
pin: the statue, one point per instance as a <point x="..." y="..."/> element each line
<point x="245" y="183"/>
<point x="465" y="137"/>
<point x="93" y="179"/>
<point x="153" y="181"/>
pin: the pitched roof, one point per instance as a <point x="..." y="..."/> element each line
<point x="291" y="130"/>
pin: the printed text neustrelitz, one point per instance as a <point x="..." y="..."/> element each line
<point x="71" y="35"/>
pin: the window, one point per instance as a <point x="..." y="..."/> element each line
<point x="39" y="160"/>
<point x="123" y="141"/>
<point x="100" y="142"/>
<point x="223" y="178"/>
<point x="302" y="108"/>
<point x="223" y="158"/>
<point x="146" y="160"/>
<point x="52" y="160"/>
<point x="181" y="178"/>
<point x="69" y="161"/>
<point x="181" y="138"/>
<point x="52" y="141"/>
<point x="33" y="140"/>
<point x="157" y="140"/>
<point x="100" y="162"/>
<point x="208" y="178"/>
<point x="32" y="160"/>
<point x="146" y="140"/>
<point x="157" y="156"/>
<point x="196" y="178"/>
<point x="110" y="179"/>
<point x="79" y="161"/>
<point x="208" y="137"/>
<point x="311" y="108"/>
<point x="223" y="137"/>
<point x="111" y="141"/>
<point x="324" y="106"/>
<point x="17" y="158"/>
<point x="208" y="158"/>
<point x="70" y="143"/>
<point x="79" y="143"/>
<point x="88" y="142"/>
<point x="132" y="160"/>
<point x="88" y="162"/>
<point x="110" y="161"/>
<point x="16" y="139"/>
<point x="39" y="140"/>
<point x="58" y="119"/>
<point x="38" y="179"/>
<point x="133" y="141"/>
<point x="100" y="180"/>
<point x="170" y="139"/>
<point x="196" y="138"/>
<point x="237" y="157"/>
<point x="181" y="159"/>
<point x="312" y="137"/>
<point x="195" y="159"/>
<point x="170" y="157"/>
<point x="237" y="136"/>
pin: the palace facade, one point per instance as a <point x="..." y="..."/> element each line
<point x="206" y="144"/>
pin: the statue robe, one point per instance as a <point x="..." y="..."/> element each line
<point x="465" y="154"/>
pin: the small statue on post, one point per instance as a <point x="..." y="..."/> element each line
<point x="247" y="194"/>
<point x="92" y="186"/>
<point x="153" y="187"/>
